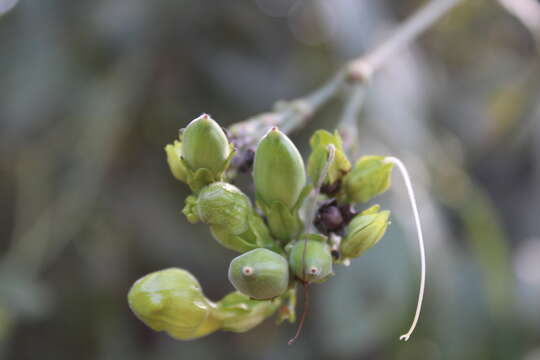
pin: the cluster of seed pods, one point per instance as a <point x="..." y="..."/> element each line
<point x="283" y="242"/>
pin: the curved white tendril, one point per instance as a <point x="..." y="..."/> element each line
<point x="412" y="198"/>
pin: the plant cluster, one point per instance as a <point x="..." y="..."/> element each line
<point x="303" y="223"/>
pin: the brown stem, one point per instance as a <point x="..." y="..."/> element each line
<point x="304" y="314"/>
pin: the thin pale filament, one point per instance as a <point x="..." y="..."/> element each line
<point x="412" y="199"/>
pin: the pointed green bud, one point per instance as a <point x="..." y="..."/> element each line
<point x="239" y="313"/>
<point x="205" y="145"/>
<point x="280" y="184"/>
<point x="319" y="156"/>
<point x="174" y="158"/>
<point x="313" y="264"/>
<point x="369" y="177"/>
<point x="278" y="170"/>
<point x="364" y="231"/>
<point x="260" y="274"/>
<point x="203" y="154"/>
<point x="172" y="300"/>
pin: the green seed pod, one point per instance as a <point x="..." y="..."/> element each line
<point x="315" y="264"/>
<point x="260" y="274"/>
<point x="239" y="313"/>
<point x="224" y="205"/>
<point x="172" y="300"/>
<point x="174" y="158"/>
<point x="319" y="156"/>
<point x="233" y="221"/>
<point x="278" y="170"/>
<point x="364" y="231"/>
<point x="369" y="177"/>
<point x="205" y="145"/>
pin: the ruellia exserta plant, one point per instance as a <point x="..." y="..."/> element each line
<point x="303" y="222"/>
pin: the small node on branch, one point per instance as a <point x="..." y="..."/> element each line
<point x="359" y="71"/>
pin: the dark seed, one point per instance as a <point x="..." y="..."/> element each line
<point x="329" y="218"/>
<point x="332" y="218"/>
<point x="347" y="212"/>
<point x="331" y="189"/>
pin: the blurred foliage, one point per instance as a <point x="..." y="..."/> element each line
<point x="90" y="92"/>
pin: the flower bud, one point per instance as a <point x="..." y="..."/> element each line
<point x="239" y="313"/>
<point x="260" y="274"/>
<point x="312" y="265"/>
<point x="224" y="205"/>
<point x="369" y="177"/>
<point x="364" y="231"/>
<point x="278" y="170"/>
<point x="319" y="156"/>
<point x="205" y="145"/>
<point x="172" y="300"/>
<point x="220" y="204"/>
<point x="233" y="221"/>
<point x="174" y="158"/>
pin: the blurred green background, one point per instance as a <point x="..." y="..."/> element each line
<point x="91" y="91"/>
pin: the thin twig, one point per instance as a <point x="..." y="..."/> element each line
<point x="292" y="115"/>
<point x="365" y="66"/>
<point x="304" y="315"/>
<point x="348" y="126"/>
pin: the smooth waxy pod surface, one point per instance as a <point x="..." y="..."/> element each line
<point x="312" y="265"/>
<point x="172" y="300"/>
<point x="278" y="170"/>
<point x="205" y="145"/>
<point x="280" y="183"/>
<point x="260" y="274"/>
